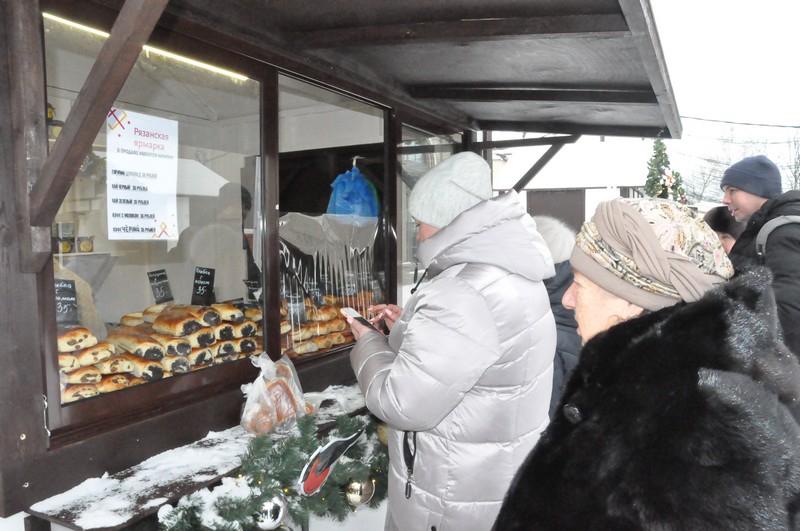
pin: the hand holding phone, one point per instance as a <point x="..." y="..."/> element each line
<point x="353" y="314"/>
<point x="385" y="315"/>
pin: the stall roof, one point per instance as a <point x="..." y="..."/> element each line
<point x="553" y="66"/>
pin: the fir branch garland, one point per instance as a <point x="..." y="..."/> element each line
<point x="272" y="466"/>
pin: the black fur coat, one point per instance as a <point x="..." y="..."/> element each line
<point x="675" y="420"/>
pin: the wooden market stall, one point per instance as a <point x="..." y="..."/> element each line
<point x="276" y="98"/>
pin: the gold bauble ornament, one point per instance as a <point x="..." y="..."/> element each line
<point x="359" y="493"/>
<point x="383" y="433"/>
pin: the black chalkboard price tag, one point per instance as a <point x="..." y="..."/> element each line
<point x="159" y="283"/>
<point x="253" y="289"/>
<point x="66" y="302"/>
<point x="203" y="286"/>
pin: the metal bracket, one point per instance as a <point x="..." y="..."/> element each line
<point x="44" y="414"/>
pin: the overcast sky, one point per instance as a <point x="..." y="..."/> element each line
<point x="731" y="61"/>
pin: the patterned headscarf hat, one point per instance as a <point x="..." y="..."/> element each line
<point x="650" y="252"/>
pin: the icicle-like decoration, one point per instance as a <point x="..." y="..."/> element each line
<point x="326" y="260"/>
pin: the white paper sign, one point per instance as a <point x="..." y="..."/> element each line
<point x="142" y="176"/>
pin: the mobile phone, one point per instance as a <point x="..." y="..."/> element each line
<point x="350" y="312"/>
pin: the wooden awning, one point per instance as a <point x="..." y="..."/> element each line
<point x="556" y="66"/>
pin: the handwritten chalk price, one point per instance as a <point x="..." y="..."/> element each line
<point x="66" y="302"/>
<point x="203" y="286"/>
<point x="159" y="284"/>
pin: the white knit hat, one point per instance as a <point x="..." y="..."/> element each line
<point x="558" y="236"/>
<point x="454" y="185"/>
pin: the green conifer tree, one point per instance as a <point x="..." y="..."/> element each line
<point x="661" y="180"/>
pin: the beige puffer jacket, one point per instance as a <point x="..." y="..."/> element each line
<point x="468" y="366"/>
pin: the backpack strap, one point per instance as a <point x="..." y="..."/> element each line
<point x="767" y="228"/>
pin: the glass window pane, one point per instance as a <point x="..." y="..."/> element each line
<point x="331" y="175"/>
<point x="168" y="189"/>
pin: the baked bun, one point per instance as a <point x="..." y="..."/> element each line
<point x="207" y="314"/>
<point x="282" y="398"/>
<point x="283" y="371"/>
<point x="223" y="331"/>
<point x="225" y="358"/>
<point x="84" y="375"/>
<point x="137" y="341"/>
<point x="173" y="346"/>
<point x="323" y="327"/>
<point x="286" y="327"/>
<point x="200" y="356"/>
<point x="201" y="338"/>
<point x="91" y="355"/>
<point x="254" y="314"/>
<point x="260" y="421"/>
<point x="67" y="363"/>
<point x="177" y="321"/>
<point x="229" y="312"/>
<point x="244" y="329"/>
<point x="304" y="332"/>
<point x="131" y="319"/>
<point x="78" y="392"/>
<point x="150" y="313"/>
<point x="244" y="345"/>
<point x="338" y="325"/>
<point x="304" y="347"/>
<point x="114" y="365"/>
<point x="325" y="313"/>
<point x="113" y="382"/>
<point x="149" y="370"/>
<point x="175" y="364"/>
<point x="340" y="338"/>
<point x="75" y="338"/>
<point x="322" y="342"/>
<point x="222" y="348"/>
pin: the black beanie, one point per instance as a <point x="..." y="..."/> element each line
<point x="720" y="220"/>
<point x="757" y="175"/>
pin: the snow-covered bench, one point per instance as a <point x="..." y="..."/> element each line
<point x="117" y="501"/>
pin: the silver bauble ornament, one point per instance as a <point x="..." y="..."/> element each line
<point x="359" y="493"/>
<point x="272" y="513"/>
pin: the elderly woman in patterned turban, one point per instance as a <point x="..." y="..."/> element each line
<point x="641" y="254"/>
<point x="679" y="413"/>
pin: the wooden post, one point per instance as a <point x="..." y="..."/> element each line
<point x="23" y="30"/>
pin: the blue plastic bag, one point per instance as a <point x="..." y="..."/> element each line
<point x="354" y="195"/>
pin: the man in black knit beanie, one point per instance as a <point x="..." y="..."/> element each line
<point x="753" y="195"/>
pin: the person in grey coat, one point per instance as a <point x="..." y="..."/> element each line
<point x="463" y="379"/>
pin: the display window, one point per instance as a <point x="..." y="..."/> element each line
<point x="331" y="204"/>
<point x="158" y="248"/>
<point x="155" y="273"/>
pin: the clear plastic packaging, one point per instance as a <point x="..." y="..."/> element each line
<point x="275" y="399"/>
